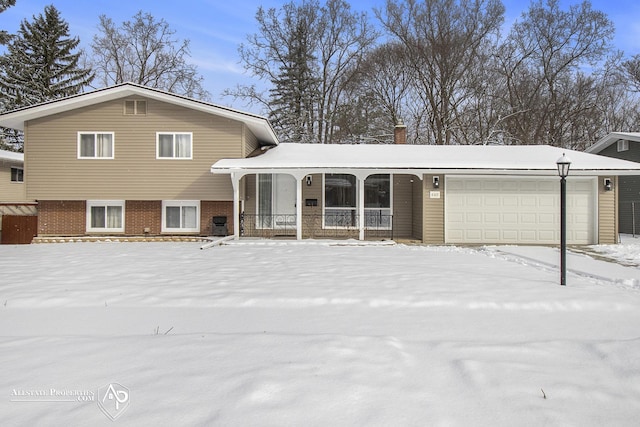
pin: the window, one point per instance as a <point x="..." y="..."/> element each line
<point x="17" y="175"/>
<point x="340" y="196"/>
<point x="340" y="201"/>
<point x="95" y="145"/>
<point x="181" y="216"/>
<point x="173" y="145"/>
<point x="135" y="107"/>
<point x="623" y="145"/>
<point x="377" y="202"/>
<point x="105" y="216"/>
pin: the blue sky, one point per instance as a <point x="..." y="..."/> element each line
<point x="217" y="27"/>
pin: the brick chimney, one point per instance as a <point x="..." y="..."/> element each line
<point x="400" y="133"/>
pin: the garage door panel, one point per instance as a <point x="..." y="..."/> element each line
<point x="492" y="218"/>
<point x="525" y="210"/>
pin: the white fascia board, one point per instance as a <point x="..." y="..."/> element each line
<point x="260" y="126"/>
<point x="420" y="172"/>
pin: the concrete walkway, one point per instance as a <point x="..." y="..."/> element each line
<point x="581" y="262"/>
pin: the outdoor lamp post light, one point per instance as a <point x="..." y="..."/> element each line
<point x="563" y="170"/>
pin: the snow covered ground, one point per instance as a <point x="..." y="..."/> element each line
<point x="274" y="333"/>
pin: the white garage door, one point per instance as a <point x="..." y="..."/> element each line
<point x="517" y="210"/>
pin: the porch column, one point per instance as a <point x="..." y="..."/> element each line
<point x="299" y="208"/>
<point x="235" y="182"/>
<point x="361" y="179"/>
<point x="299" y="176"/>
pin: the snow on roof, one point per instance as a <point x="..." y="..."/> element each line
<point x="514" y="159"/>
<point x="11" y="156"/>
<point x="259" y="125"/>
<point x="612" y="138"/>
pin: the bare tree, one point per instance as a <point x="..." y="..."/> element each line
<point x="443" y="40"/>
<point x="631" y="69"/>
<point x="319" y="43"/>
<point x="385" y="74"/>
<point x="145" y="51"/>
<point x="540" y="62"/>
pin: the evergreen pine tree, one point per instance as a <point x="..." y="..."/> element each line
<point x="4" y="5"/>
<point x="294" y="89"/>
<point x="40" y="64"/>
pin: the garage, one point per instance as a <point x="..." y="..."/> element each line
<point x="508" y="210"/>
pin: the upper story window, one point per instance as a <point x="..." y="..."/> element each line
<point x="623" y="145"/>
<point x="95" y="145"/>
<point x="17" y="175"/>
<point x="135" y="107"/>
<point x="170" y="145"/>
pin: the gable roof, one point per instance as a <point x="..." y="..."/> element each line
<point x="451" y="159"/>
<point x="15" y="119"/>
<point x="613" y="138"/>
<point x="11" y="156"/>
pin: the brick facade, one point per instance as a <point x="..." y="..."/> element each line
<point x="139" y="215"/>
<point x="210" y="209"/>
<point x="68" y="218"/>
<point x="62" y="217"/>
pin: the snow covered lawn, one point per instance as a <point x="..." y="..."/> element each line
<point x="284" y="333"/>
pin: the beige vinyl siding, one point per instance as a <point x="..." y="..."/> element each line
<point x="250" y="142"/>
<point x="607" y="213"/>
<point x="418" y="208"/>
<point x="11" y="191"/>
<point x="433" y="211"/>
<point x="313" y="191"/>
<point x="402" y="205"/>
<point x="134" y="174"/>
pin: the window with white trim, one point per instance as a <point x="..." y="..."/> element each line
<point x="135" y="107"/>
<point x="105" y="216"/>
<point x="174" y="145"/>
<point x="17" y="175"/>
<point x="95" y="145"/>
<point x="623" y="145"/>
<point x="181" y="216"/>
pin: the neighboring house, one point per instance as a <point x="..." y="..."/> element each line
<point x="132" y="160"/>
<point x="433" y="194"/>
<point x="17" y="213"/>
<point x="624" y="145"/>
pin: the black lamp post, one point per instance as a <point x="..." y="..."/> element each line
<point x="563" y="170"/>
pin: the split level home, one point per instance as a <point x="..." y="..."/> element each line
<point x="134" y="161"/>
<point x="626" y="146"/>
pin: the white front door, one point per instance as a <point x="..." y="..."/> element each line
<point x="284" y="201"/>
<point x="276" y="201"/>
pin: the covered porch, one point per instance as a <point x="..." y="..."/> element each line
<point x="334" y="203"/>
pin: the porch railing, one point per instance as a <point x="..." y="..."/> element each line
<point x="378" y="226"/>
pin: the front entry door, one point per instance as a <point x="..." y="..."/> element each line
<point x="284" y="205"/>
<point x="276" y="201"/>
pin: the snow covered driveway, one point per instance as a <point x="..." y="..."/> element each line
<point x="286" y="333"/>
